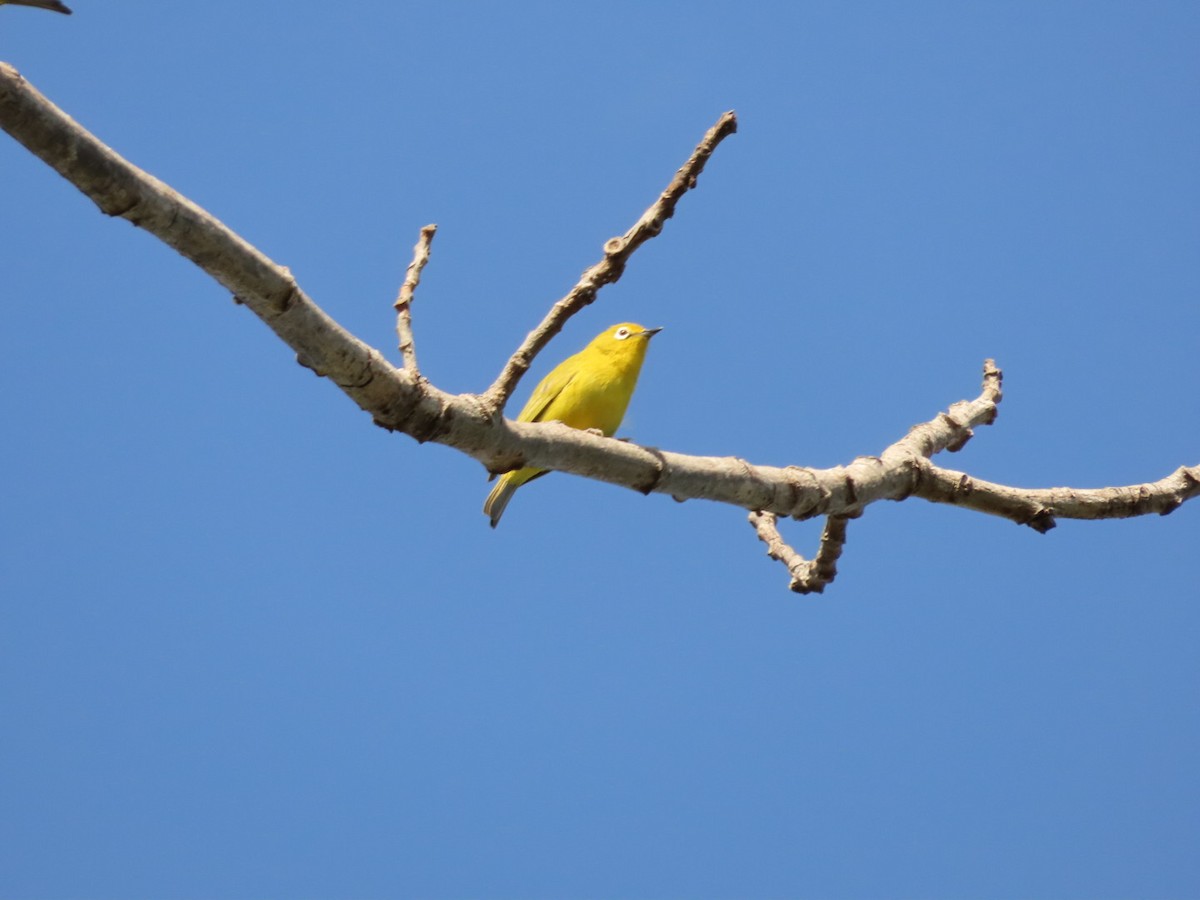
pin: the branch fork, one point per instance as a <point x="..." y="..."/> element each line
<point x="609" y="269"/>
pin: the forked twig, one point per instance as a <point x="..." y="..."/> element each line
<point x="947" y="431"/>
<point x="808" y="576"/>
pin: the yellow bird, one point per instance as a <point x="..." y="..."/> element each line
<point x="590" y="390"/>
<point x="52" y="5"/>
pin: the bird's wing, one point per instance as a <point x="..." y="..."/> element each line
<point x="546" y="392"/>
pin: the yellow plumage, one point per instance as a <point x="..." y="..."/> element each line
<point x="52" y="5"/>
<point x="590" y="390"/>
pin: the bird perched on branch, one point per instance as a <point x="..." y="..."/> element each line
<point x="589" y="391"/>
<point x="52" y="5"/>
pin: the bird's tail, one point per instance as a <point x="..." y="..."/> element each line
<point x="52" y="5"/>
<point x="497" y="500"/>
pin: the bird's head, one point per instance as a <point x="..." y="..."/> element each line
<point x="627" y="339"/>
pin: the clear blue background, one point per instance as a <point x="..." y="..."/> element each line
<point x="253" y="646"/>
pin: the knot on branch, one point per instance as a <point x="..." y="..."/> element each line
<point x="794" y="475"/>
<point x="1042" y="520"/>
<point x="851" y="489"/>
<point x="291" y="295"/>
<point x="993" y="380"/>
<point x="912" y="468"/>
<point x="965" y="435"/>
<point x="502" y="463"/>
<point x="660" y="467"/>
<point x="120" y="205"/>
<point x="413" y="406"/>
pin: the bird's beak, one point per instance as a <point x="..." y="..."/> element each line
<point x="651" y="332"/>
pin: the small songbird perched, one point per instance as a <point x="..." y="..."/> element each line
<point x="589" y="390"/>
<point x="52" y="5"/>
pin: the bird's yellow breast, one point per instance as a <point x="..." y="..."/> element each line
<point x="596" y="393"/>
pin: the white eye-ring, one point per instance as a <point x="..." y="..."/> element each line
<point x="621" y="333"/>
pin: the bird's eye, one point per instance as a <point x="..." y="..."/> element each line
<point x="621" y="333"/>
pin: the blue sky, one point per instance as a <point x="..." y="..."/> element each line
<point x="253" y="646"/>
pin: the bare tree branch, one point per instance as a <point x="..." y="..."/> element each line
<point x="400" y="400"/>
<point x="267" y="289"/>
<point x="404" y="299"/>
<point x="616" y="253"/>
<point x="1039" y="508"/>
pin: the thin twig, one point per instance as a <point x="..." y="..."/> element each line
<point x="808" y="577"/>
<point x="952" y="429"/>
<point x="616" y="253"/>
<point x="404" y="299"/>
